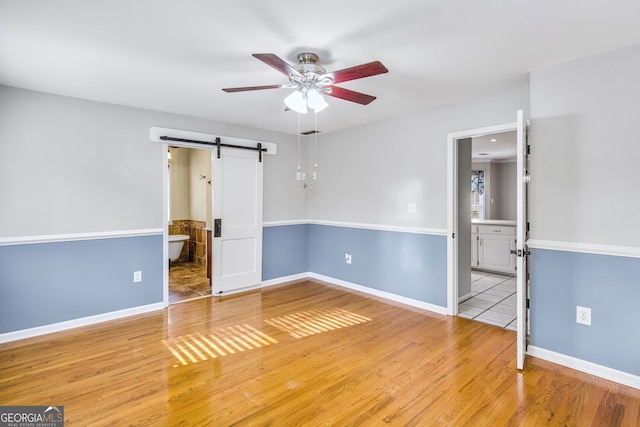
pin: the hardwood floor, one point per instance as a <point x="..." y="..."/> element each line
<point x="304" y="353"/>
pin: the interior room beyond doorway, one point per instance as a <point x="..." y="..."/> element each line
<point x="491" y="297"/>
<point x="190" y="212"/>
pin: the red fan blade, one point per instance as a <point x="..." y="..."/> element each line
<point x="244" y="89"/>
<point x="274" y="61"/>
<point x="358" y="72"/>
<point x="350" y="95"/>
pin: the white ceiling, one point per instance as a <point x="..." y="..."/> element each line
<point x="175" y="56"/>
<point x="497" y="146"/>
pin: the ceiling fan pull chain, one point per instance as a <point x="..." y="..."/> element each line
<point x="315" y="164"/>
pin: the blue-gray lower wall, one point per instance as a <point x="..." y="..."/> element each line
<point x="47" y="283"/>
<point x="609" y="285"/>
<point x="285" y="251"/>
<point x="411" y="265"/>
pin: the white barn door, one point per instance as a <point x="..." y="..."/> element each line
<point x="237" y="217"/>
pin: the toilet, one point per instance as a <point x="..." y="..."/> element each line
<point x="176" y="242"/>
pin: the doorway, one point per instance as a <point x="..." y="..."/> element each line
<point x="459" y="251"/>
<point x="490" y="297"/>
<point x="189" y="220"/>
<point x="235" y="192"/>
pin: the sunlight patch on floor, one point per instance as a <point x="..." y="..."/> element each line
<point x="313" y="322"/>
<point x="198" y="347"/>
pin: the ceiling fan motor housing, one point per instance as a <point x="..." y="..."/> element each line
<point x="314" y="74"/>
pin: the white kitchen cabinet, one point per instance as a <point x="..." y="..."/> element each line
<point x="474" y="246"/>
<point x="493" y="246"/>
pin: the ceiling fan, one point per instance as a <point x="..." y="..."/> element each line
<point x="310" y="80"/>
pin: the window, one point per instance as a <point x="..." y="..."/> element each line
<point x="477" y="194"/>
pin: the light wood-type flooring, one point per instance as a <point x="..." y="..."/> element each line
<point x="302" y="353"/>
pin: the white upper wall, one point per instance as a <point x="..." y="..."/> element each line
<point x="370" y="174"/>
<point x="180" y="184"/>
<point x="199" y="188"/>
<point x="585" y="150"/>
<point x="72" y="166"/>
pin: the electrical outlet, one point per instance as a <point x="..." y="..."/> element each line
<point x="413" y="208"/>
<point x="347" y="258"/>
<point x="137" y="276"/>
<point x="583" y="315"/>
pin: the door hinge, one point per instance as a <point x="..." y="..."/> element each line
<point x="453" y="235"/>
<point x="520" y="253"/>
<point x="528" y="149"/>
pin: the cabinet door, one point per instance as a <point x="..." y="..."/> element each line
<point x="494" y="253"/>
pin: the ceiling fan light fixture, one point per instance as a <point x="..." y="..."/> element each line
<point x="316" y="101"/>
<point x="308" y="75"/>
<point x="296" y="102"/>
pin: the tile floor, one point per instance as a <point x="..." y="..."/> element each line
<point x="187" y="280"/>
<point x="493" y="300"/>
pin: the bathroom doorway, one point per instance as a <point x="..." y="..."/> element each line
<point x="189" y="208"/>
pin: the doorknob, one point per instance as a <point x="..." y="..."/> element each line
<point x="217" y="227"/>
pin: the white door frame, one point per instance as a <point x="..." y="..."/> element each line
<point x="452" y="206"/>
<point x="452" y="222"/>
<point x="165" y="222"/>
<point x="522" y="259"/>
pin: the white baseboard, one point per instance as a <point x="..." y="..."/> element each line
<point x="285" y="279"/>
<point x="265" y="284"/>
<point x="382" y="294"/>
<point x="584" y="366"/>
<point x="76" y="323"/>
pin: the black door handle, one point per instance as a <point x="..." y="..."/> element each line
<point x="217" y="227"/>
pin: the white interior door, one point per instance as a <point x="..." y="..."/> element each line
<point x="237" y="213"/>
<point x="521" y="239"/>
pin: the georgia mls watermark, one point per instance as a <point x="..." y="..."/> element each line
<point x="31" y="416"/>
